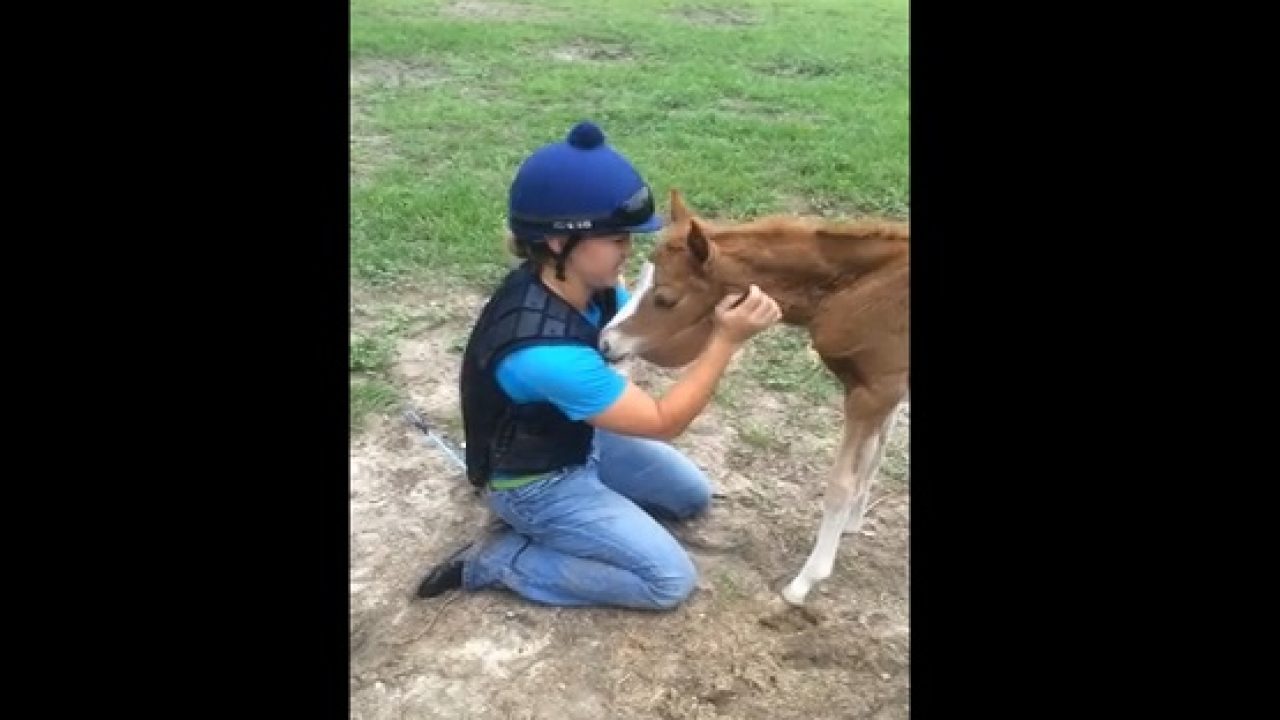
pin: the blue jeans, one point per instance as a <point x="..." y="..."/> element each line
<point x="585" y="535"/>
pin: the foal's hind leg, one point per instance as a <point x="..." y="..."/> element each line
<point x="881" y="441"/>
<point x="865" y="414"/>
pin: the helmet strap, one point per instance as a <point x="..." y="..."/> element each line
<point x="563" y="255"/>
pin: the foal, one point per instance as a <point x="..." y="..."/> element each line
<point x="848" y="284"/>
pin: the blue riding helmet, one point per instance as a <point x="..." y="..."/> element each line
<point x="581" y="186"/>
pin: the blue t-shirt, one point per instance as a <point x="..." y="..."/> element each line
<point x="574" y="378"/>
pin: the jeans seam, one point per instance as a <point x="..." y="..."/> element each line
<point x="627" y="558"/>
<point x="631" y="560"/>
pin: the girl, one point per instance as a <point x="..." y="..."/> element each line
<point x="571" y="453"/>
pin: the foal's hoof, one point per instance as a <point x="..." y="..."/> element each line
<point x="785" y="617"/>
<point x="795" y="594"/>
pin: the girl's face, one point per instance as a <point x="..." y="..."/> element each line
<point x="598" y="259"/>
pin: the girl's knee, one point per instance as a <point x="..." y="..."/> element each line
<point x="674" y="585"/>
<point x="695" y="496"/>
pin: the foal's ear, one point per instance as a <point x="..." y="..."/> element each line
<point x="700" y="247"/>
<point x="678" y="210"/>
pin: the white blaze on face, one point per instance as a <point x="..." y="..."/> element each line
<point x="637" y="291"/>
<point x="617" y="344"/>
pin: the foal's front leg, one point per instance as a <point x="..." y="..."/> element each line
<point x="837" y="503"/>
<point x="867" y="414"/>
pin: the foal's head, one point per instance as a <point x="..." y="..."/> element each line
<point x="669" y="318"/>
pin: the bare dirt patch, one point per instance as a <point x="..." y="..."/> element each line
<point x="382" y="74"/>
<point x="799" y="69"/>
<point x="822" y="206"/>
<point x="732" y="651"/>
<point x="480" y="10"/>
<point x="716" y="16"/>
<point x="838" y="208"/>
<point x="584" y="50"/>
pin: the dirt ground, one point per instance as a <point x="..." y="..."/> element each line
<point x="733" y="650"/>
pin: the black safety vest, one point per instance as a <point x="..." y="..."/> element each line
<point x="525" y="438"/>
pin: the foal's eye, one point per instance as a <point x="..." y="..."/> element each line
<point x="664" y="299"/>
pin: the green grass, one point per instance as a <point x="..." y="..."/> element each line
<point x="759" y="436"/>
<point x="796" y="106"/>
<point x="370" y="396"/>
<point x="728" y="587"/>
<point x="780" y="360"/>
<point x="371" y="354"/>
